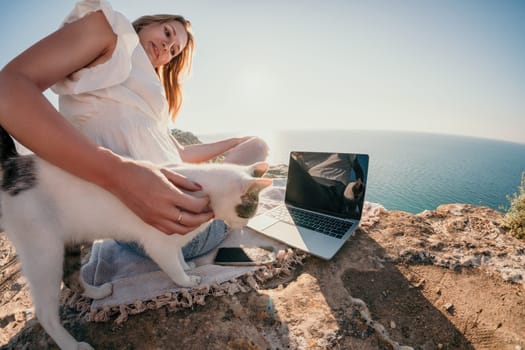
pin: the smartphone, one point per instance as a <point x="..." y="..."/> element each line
<point x="242" y="256"/>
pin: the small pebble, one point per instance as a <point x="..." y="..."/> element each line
<point x="449" y="307"/>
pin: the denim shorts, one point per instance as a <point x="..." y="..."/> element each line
<point x="201" y="244"/>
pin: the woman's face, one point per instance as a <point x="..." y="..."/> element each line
<point x="163" y="41"/>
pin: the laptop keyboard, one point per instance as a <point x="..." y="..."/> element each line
<point x="330" y="226"/>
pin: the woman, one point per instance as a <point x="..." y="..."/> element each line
<point x="107" y="76"/>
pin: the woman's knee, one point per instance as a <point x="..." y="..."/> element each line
<point x="259" y="147"/>
<point x="248" y="152"/>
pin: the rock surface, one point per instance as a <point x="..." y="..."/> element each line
<point x="451" y="278"/>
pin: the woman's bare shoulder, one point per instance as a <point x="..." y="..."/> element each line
<point x="98" y="33"/>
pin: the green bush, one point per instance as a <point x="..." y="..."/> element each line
<point x="515" y="216"/>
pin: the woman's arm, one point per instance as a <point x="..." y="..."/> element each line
<point x="27" y="115"/>
<point x="203" y="152"/>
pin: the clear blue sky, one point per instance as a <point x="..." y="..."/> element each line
<point x="443" y="66"/>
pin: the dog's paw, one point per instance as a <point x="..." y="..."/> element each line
<point x="99" y="292"/>
<point x="194" y="281"/>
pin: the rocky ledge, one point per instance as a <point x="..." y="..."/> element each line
<point x="450" y="278"/>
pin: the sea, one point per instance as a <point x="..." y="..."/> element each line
<point x="412" y="171"/>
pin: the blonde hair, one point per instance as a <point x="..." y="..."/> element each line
<point x="171" y="74"/>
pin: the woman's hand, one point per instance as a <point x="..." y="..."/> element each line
<point x="154" y="194"/>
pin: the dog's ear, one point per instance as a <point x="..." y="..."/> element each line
<point x="259" y="169"/>
<point x="254" y="186"/>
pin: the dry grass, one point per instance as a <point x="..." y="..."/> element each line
<point x="515" y="214"/>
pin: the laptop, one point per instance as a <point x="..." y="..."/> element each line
<point x="323" y="202"/>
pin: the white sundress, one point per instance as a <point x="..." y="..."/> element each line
<point x="119" y="104"/>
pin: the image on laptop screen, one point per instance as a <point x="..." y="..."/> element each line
<point x="331" y="183"/>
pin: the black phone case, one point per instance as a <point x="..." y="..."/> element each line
<point x="244" y="256"/>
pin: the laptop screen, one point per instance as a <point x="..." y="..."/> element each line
<point x="330" y="183"/>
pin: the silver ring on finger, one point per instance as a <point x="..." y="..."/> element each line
<point x="179" y="219"/>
